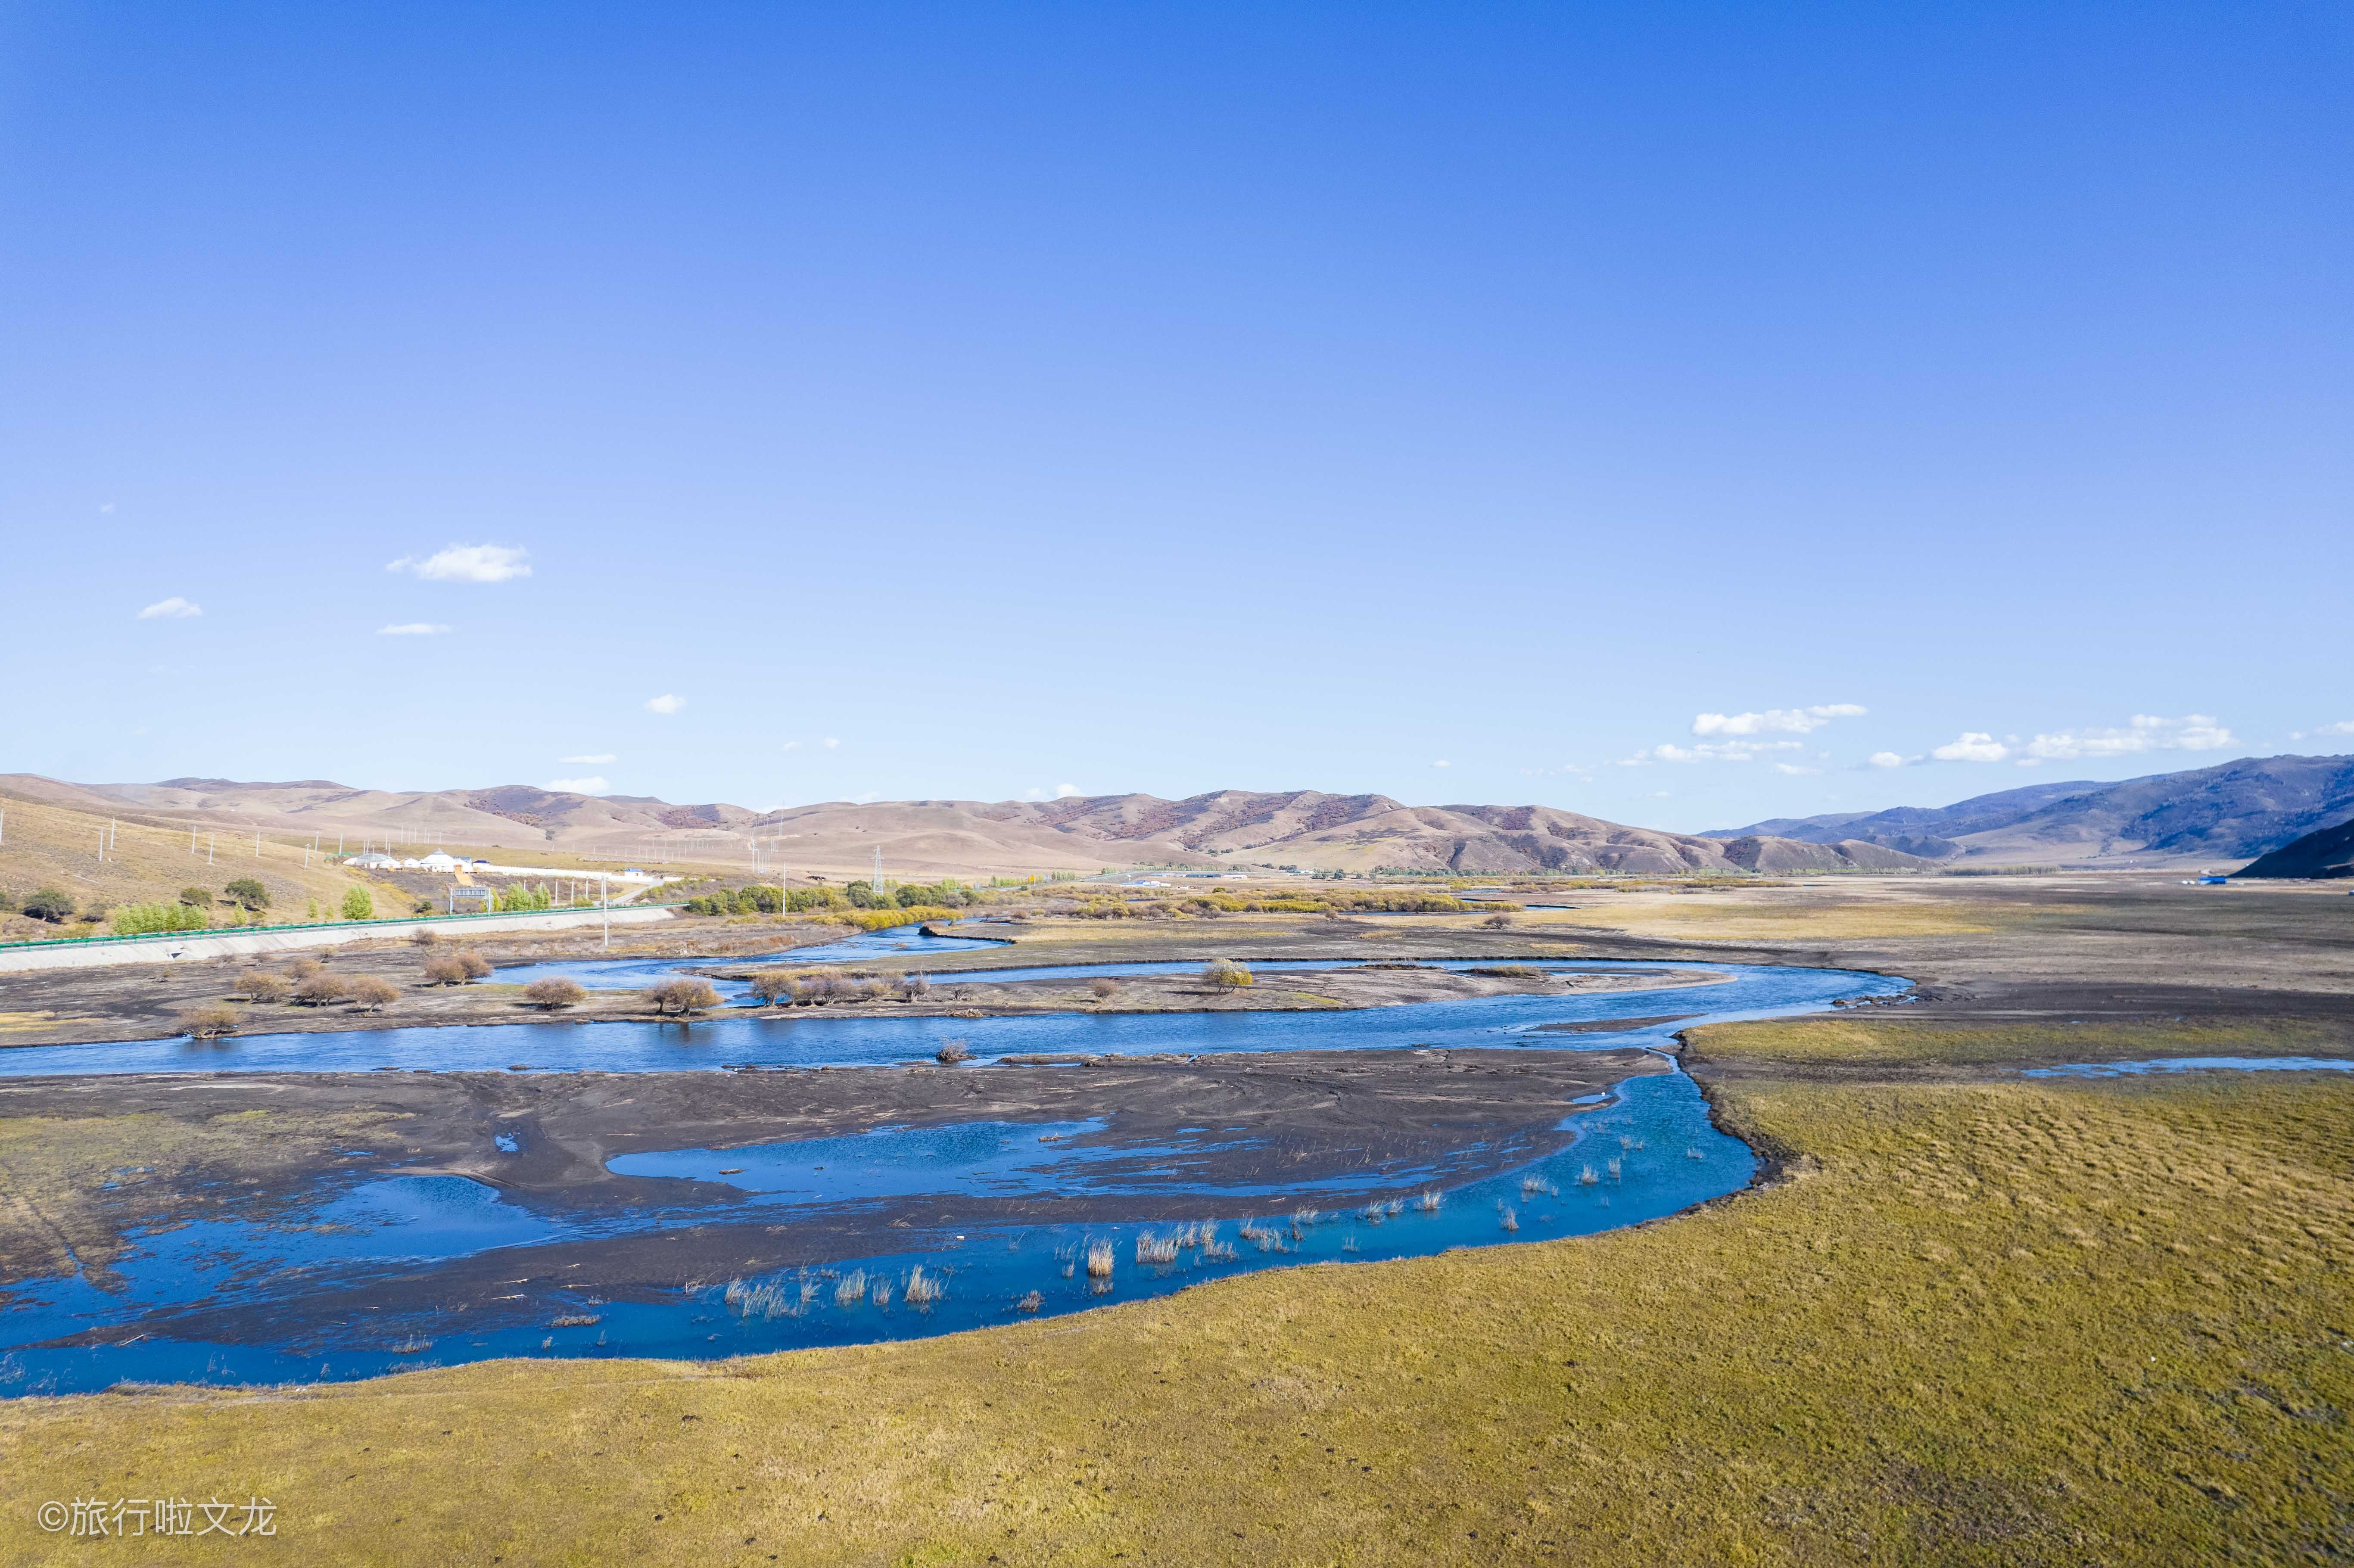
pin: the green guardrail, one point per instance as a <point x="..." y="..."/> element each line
<point x="318" y="926"/>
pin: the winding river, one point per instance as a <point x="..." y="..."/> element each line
<point x="1649" y="1150"/>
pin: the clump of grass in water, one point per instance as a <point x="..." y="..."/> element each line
<point x="881" y="1296"/>
<point x="1531" y="1186"/>
<point x="1429" y="1200"/>
<point x="1693" y="1154"/>
<point x="1030" y="1303"/>
<point x="923" y="1289"/>
<point x="1509" y="1220"/>
<point x="1151" y="1248"/>
<point x="1262" y="1237"/>
<point x="411" y="1346"/>
<point x="1100" y="1258"/>
<point x="1373" y="1213"/>
<point x="1617" y="1171"/>
<point x="850" y="1288"/>
<point x="1068" y="1256"/>
<point x="1349" y="1243"/>
<point x="1585" y="1176"/>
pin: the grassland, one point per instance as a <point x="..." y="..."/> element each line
<point x="1982" y="1321"/>
<point x="51" y="846"/>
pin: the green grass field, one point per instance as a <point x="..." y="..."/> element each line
<point x="1995" y="1322"/>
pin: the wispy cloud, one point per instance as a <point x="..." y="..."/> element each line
<point x="1774" y="721"/>
<point x="1885" y="759"/>
<point x="1442" y="762"/>
<point x="830" y="743"/>
<point x="791" y="746"/>
<point x="2343" y="726"/>
<point x="1060" y="792"/>
<point x="668" y="703"/>
<point x="591" y="759"/>
<point x="1711" y="751"/>
<point x="411" y="629"/>
<point x="172" y="609"/>
<point x="1793" y="769"/>
<point x="467" y="564"/>
<point x="2145" y="733"/>
<point x="591" y="786"/>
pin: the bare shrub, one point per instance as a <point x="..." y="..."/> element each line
<point x="1104" y="989"/>
<point x="208" y="1021"/>
<point x="423" y="937"/>
<point x="476" y="966"/>
<point x="301" y="970"/>
<point x="320" y="989"/>
<point x="370" y="993"/>
<point x="915" y="988"/>
<point x="683" y="996"/>
<point x="445" y="968"/>
<point x="550" y="994"/>
<point x="260" y="985"/>
<point x="776" y="986"/>
<point x="951" y="1052"/>
<point x="1497" y="922"/>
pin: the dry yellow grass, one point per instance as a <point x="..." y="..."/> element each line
<point x="1813" y="913"/>
<point x="1995" y="1323"/>
<point x="50" y="846"/>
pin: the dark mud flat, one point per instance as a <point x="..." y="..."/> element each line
<point x="1163" y="1139"/>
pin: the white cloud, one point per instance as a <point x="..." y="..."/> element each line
<point x="2343" y="726"/>
<point x="1793" y="769"/>
<point x="1065" y="791"/>
<point x="466" y="563"/>
<point x="791" y="746"/>
<point x="172" y="609"/>
<point x="578" y="785"/>
<point x="411" y="629"/>
<point x="830" y="743"/>
<point x="1060" y="792"/>
<point x="592" y="760"/>
<point x="2192" y="732"/>
<point x="668" y="703"/>
<point x="1784" y="721"/>
<point x="866" y="800"/>
<point x="1972" y="746"/>
<point x="1886" y="760"/>
<point x="1442" y="764"/>
<point x="106" y="507"/>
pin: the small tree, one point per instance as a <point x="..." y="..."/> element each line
<point x="49" y="903"/>
<point x="195" y="897"/>
<point x="1497" y="922"/>
<point x="248" y="893"/>
<point x="1224" y="975"/>
<point x="445" y="968"/>
<point x="423" y="937"/>
<point x="371" y="992"/>
<point x="915" y="988"/>
<point x="260" y="985"/>
<point x="318" y="989"/>
<point x="303" y="968"/>
<point x="550" y="994"/>
<point x="208" y="1021"/>
<point x="358" y="906"/>
<point x="1104" y="989"/>
<point x="683" y="996"/>
<point x="476" y="966"/>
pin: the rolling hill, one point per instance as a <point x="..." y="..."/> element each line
<point x="2326" y="853"/>
<point x="2235" y="810"/>
<point x="1305" y="829"/>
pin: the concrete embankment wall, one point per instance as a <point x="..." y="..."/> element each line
<point x="186" y="947"/>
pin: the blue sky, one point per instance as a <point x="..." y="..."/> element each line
<point x="1660" y="412"/>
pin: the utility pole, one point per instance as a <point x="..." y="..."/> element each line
<point x="112" y="832"/>
<point x="208" y="849"/>
<point x="604" y="888"/>
<point x="102" y="846"/>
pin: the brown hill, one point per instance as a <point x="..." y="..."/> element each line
<point x="1305" y="830"/>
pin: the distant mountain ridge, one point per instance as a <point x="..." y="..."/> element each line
<point x="1306" y="829"/>
<point x="2235" y="810"/>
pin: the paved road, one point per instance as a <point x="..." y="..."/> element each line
<point x="184" y="945"/>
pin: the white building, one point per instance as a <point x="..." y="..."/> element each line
<point x="440" y="860"/>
